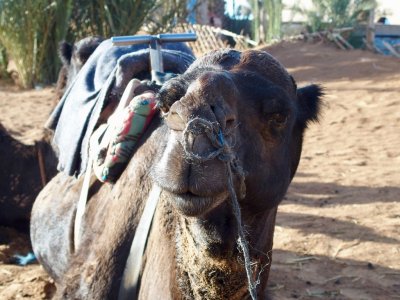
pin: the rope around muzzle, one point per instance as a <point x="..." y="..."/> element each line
<point x="224" y="152"/>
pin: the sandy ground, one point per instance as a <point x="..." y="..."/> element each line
<point x="23" y="112"/>
<point x="338" y="228"/>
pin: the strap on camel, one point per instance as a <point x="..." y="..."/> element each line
<point x="128" y="290"/>
<point x="112" y="144"/>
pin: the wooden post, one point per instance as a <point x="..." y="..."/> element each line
<point x="371" y="30"/>
<point x="42" y="166"/>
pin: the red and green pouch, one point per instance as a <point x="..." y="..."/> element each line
<point x="112" y="144"/>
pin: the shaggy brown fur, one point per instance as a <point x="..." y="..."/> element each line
<point x="191" y="252"/>
<point x="20" y="178"/>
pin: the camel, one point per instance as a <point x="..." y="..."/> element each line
<point x="73" y="57"/>
<point x="21" y="178"/>
<point x="230" y="111"/>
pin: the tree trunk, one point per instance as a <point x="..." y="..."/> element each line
<point x="371" y="30"/>
<point x="256" y="20"/>
<point x="273" y="11"/>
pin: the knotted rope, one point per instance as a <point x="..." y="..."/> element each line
<point x="225" y="153"/>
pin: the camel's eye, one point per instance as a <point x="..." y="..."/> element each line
<point x="164" y="108"/>
<point x="278" y="119"/>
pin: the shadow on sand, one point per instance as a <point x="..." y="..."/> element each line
<point x="295" y="276"/>
<point x="318" y="194"/>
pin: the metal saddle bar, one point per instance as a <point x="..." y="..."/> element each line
<point x="155" y="42"/>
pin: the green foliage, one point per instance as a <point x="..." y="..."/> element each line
<point x="27" y="28"/>
<point x="267" y="19"/>
<point x="31" y="30"/>
<point x="109" y="17"/>
<point x="3" y="62"/>
<point x="335" y="13"/>
<point x="165" y="15"/>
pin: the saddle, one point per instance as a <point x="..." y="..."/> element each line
<point x="101" y="81"/>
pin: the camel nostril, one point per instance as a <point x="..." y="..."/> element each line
<point x="224" y="115"/>
<point x="212" y="108"/>
<point x="230" y="122"/>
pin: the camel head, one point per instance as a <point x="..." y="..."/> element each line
<point x="251" y="101"/>
<point x="73" y="57"/>
<point x="239" y="108"/>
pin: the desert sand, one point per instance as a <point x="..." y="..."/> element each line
<point x="338" y="228"/>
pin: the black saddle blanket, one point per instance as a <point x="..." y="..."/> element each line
<point x="105" y="74"/>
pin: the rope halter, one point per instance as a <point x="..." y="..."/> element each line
<point x="224" y="152"/>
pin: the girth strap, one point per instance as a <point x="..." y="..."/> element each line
<point x="100" y="133"/>
<point x="81" y="207"/>
<point x="129" y="286"/>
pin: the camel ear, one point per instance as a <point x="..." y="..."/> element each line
<point x="309" y="101"/>
<point x="65" y="52"/>
<point x="85" y="49"/>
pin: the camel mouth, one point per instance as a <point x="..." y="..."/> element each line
<point x="192" y="205"/>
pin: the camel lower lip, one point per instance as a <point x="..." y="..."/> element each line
<point x="193" y="205"/>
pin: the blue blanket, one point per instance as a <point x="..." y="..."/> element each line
<point x="105" y="74"/>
